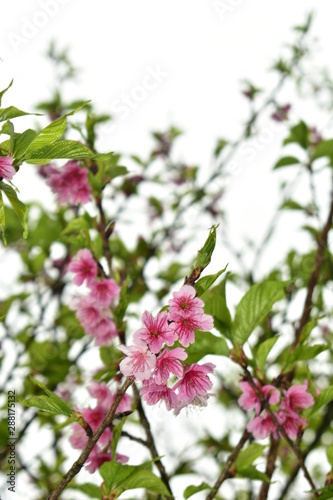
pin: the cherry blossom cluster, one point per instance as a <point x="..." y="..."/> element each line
<point x="150" y="360"/>
<point x="93" y="310"/>
<point x="292" y="401"/>
<point x="102" y="451"/>
<point x="7" y="171"/>
<point x="69" y="183"/>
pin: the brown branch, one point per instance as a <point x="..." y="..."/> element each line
<point x="79" y="463"/>
<point x="225" y="471"/>
<point x="150" y="439"/>
<point x="322" y="428"/>
<point x="319" y="260"/>
<point x="270" y="467"/>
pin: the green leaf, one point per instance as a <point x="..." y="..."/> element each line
<point x="254" y="307"/>
<point x="286" y="161"/>
<point x="12" y="112"/>
<point x="23" y="141"/>
<point x="51" y="403"/>
<point x="220" y="145"/>
<point x="215" y="304"/>
<point x="192" y="490"/>
<point x="128" y="477"/>
<point x="48" y="135"/>
<point x="4" y="91"/>
<point x="19" y="208"/>
<point x="252" y="473"/>
<point x="53" y="131"/>
<point x="291" y="205"/>
<point x="89" y="489"/>
<point x="206" y="343"/>
<point x="323" y="398"/>
<point x="263" y="351"/>
<point x="61" y="149"/>
<point x="116" y="434"/>
<point x="247" y="456"/>
<point x="324" y="148"/>
<point x="206" y="282"/>
<point x="299" y="134"/>
<point x="205" y="254"/>
<point x="329" y="454"/>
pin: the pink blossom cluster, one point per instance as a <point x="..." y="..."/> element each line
<point x="293" y="400"/>
<point x="102" y="451"/>
<point x="93" y="310"/>
<point x="69" y="183"/>
<point x="7" y="171"/>
<point x="150" y="361"/>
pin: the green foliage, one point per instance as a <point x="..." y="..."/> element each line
<point x="205" y="253"/>
<point x="192" y="490"/>
<point x="254" y="307"/>
<point x="206" y="282"/>
<point x="286" y="161"/>
<point x="206" y="343"/>
<point x="248" y="455"/>
<point x="50" y="403"/>
<point x="19" y="208"/>
<point x="119" y="478"/>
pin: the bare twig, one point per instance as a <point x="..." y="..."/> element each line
<point x="150" y="439"/>
<point x="225" y="471"/>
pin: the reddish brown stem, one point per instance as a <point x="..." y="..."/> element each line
<point x="79" y="463"/>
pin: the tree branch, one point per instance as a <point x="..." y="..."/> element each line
<point x="225" y="471"/>
<point x="78" y="464"/>
<point x="150" y="439"/>
<point x="270" y="467"/>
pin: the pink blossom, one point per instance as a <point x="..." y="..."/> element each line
<point x="249" y="399"/>
<point x="139" y="361"/>
<point x="281" y="113"/>
<point x="195" y="381"/>
<point x="78" y="438"/>
<point x="102" y="393"/>
<point x="84" y="267"/>
<point x="291" y="423"/>
<point x="185" y="304"/>
<point x="105" y="331"/>
<point x="198" y="401"/>
<point x="156" y="332"/>
<point x="167" y="362"/>
<point x="262" y="426"/>
<point x="70" y="183"/>
<point x="104" y="291"/>
<point x="184" y="327"/>
<point x="94" y="417"/>
<point x="297" y="398"/>
<point x="96" y="459"/>
<point x="7" y="171"/>
<point x="153" y="393"/>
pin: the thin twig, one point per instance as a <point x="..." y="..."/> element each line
<point x="150" y="439"/>
<point x="225" y="471"/>
<point x="318" y="262"/>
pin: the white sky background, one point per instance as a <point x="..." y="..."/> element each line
<point x="203" y="56"/>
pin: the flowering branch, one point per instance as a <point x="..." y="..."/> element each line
<point x="79" y="463"/>
<point x="225" y="471"/>
<point x="280" y="428"/>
